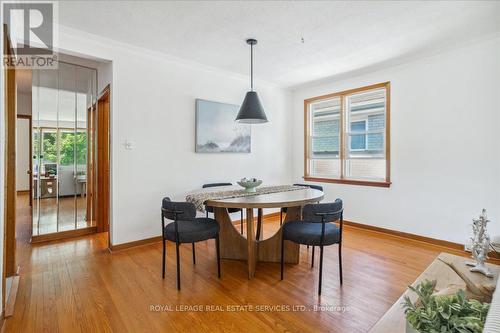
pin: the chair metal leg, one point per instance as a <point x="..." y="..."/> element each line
<point x="207" y="214"/>
<point x="320" y="268"/>
<point x="218" y="254"/>
<point x="282" y="255"/>
<point x="312" y="259"/>
<point x="164" y="255"/>
<point x="241" y="222"/>
<point x="178" y="266"/>
<point x="194" y="255"/>
<point x="340" y="261"/>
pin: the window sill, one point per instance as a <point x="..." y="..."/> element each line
<point x="348" y="181"/>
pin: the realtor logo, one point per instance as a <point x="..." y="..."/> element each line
<point x="32" y="34"/>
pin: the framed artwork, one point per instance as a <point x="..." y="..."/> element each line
<point x="217" y="131"/>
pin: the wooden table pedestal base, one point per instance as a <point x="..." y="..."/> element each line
<point x="233" y="245"/>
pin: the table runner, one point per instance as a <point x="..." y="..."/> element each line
<point x="198" y="198"/>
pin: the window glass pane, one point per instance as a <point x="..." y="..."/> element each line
<point x="365" y="156"/>
<point x="376" y="127"/>
<point x="325" y="146"/>
<point x="358" y="126"/>
<point x="324" y="142"/>
<point x="324" y="111"/>
<point x="358" y="141"/>
<point x="329" y="168"/>
<point x="366" y="168"/>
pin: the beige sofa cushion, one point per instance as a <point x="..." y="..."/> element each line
<point x="492" y="324"/>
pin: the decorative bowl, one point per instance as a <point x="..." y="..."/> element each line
<point x="249" y="184"/>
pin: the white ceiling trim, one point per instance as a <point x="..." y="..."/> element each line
<point x="67" y="32"/>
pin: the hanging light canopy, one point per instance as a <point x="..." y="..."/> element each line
<point x="251" y="111"/>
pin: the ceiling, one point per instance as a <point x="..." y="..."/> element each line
<point x="338" y="36"/>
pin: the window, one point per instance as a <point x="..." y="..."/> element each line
<point x="69" y="145"/>
<point x="347" y="137"/>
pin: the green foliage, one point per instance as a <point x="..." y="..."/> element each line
<point x="68" y="143"/>
<point x="49" y="147"/>
<point x="440" y="314"/>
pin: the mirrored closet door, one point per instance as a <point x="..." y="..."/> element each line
<point x="63" y="143"/>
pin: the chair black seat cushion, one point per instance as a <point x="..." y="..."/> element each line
<point x="229" y="210"/>
<point x="196" y="230"/>
<point x="309" y="233"/>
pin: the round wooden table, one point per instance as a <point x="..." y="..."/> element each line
<point x="233" y="245"/>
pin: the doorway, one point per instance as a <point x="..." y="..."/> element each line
<point x="54" y="116"/>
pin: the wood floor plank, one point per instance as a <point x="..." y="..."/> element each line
<point x="78" y="286"/>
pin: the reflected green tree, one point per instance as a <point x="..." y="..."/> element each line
<point x="70" y="144"/>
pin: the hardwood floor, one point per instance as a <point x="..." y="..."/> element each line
<point x="78" y="286"/>
<point x="47" y="221"/>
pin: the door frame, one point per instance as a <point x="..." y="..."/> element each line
<point x="29" y="117"/>
<point x="102" y="163"/>
<point x="9" y="247"/>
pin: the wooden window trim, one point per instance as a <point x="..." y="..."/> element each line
<point x="307" y="102"/>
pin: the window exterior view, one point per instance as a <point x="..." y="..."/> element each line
<point x="347" y="135"/>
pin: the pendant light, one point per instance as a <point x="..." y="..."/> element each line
<point x="251" y="111"/>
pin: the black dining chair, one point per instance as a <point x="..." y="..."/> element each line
<point x="186" y="228"/>
<point x="209" y="209"/>
<point x="315" y="229"/>
<point x="284" y="209"/>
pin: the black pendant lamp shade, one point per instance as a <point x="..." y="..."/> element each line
<point x="251" y="111"/>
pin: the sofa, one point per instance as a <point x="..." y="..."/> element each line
<point x="492" y="324"/>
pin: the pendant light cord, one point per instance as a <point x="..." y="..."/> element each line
<point x="251" y="67"/>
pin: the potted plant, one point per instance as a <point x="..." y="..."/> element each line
<point x="435" y="313"/>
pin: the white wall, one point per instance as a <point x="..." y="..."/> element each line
<point x="445" y="144"/>
<point x="22" y="154"/>
<point x="153" y="106"/>
<point x="104" y="76"/>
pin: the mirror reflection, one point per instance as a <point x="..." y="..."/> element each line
<point x="62" y="101"/>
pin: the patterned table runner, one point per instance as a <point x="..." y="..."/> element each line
<point x="198" y="198"/>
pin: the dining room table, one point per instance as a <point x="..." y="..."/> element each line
<point x="251" y="247"/>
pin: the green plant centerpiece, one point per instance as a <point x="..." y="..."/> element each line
<point x="435" y="313"/>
